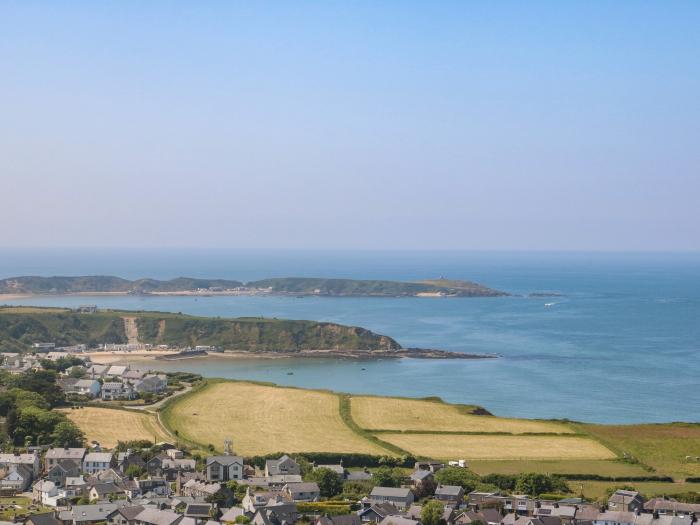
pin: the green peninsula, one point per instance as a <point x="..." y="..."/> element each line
<point x="99" y="284"/>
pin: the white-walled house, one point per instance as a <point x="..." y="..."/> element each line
<point x="95" y="462"/>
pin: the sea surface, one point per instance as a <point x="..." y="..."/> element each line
<point x="621" y="345"/>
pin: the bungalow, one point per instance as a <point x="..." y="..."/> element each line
<point x="57" y="455"/>
<point x="450" y="494"/>
<point x="95" y="462"/>
<point x="398" y="520"/>
<point x="116" y="370"/>
<point x="305" y="492"/>
<point x="377" y="512"/>
<point x="230" y="515"/>
<point x="124" y="515"/>
<point x="399" y="497"/>
<point x="224" y="468"/>
<point x="151" y="516"/>
<point x="283" y="465"/>
<point x="154" y="384"/>
<point x="199" y="511"/>
<point x="46" y="518"/>
<point x="344" y="519"/>
<point x="105" y="491"/>
<point x="89" y="514"/>
<point x="155" y="486"/>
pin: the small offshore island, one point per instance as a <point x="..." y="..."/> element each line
<point x="298" y="286"/>
<point x="175" y="335"/>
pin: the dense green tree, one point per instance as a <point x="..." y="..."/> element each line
<point x="329" y="483"/>
<point x="431" y="514"/>
<point x="534" y="484"/>
<point x="460" y="476"/>
<point x="66" y="434"/>
<point x="387" y="477"/>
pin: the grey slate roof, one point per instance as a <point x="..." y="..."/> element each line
<point x="390" y="492"/>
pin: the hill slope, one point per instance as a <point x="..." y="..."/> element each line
<point x="21" y="327"/>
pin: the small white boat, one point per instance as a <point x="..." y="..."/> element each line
<point x="549" y="304"/>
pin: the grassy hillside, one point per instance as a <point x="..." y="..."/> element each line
<point x="105" y="283"/>
<point x="255" y="334"/>
<point x="21" y="327"/>
<point x="345" y="287"/>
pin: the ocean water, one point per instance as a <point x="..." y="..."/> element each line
<point x="621" y="345"/>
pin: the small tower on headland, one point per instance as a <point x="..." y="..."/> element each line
<point x="228" y="447"/>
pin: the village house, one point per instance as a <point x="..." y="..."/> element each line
<point x="30" y="460"/>
<point x="62" y="470"/>
<point x="115" y="390"/>
<point x="450" y="494"/>
<point x="56" y="455"/>
<point x="86" y="387"/>
<point x="198" y="489"/>
<point x="95" y="462"/>
<point x="626" y="501"/>
<point x="105" y="491"/>
<point x="46" y="493"/>
<point x="422" y="478"/>
<point x="224" y="468"/>
<point x="302" y="492"/>
<point x="401" y="498"/>
<point x="17" y="479"/>
<point x="663" y="506"/>
<point x="75" y="487"/>
<point x="283" y="465"/>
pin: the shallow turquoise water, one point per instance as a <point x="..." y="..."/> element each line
<point x="623" y="345"/>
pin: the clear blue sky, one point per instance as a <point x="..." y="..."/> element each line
<point x="465" y="125"/>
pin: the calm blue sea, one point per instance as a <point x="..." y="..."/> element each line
<point x="622" y="345"/>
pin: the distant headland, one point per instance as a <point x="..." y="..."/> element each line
<point x="297" y="286"/>
<point x="175" y="335"/>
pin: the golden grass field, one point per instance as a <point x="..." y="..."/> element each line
<point x="389" y="413"/>
<point x="265" y="419"/>
<point x="446" y="446"/>
<point x="107" y="426"/>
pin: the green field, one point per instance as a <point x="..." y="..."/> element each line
<point x="662" y="448"/>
